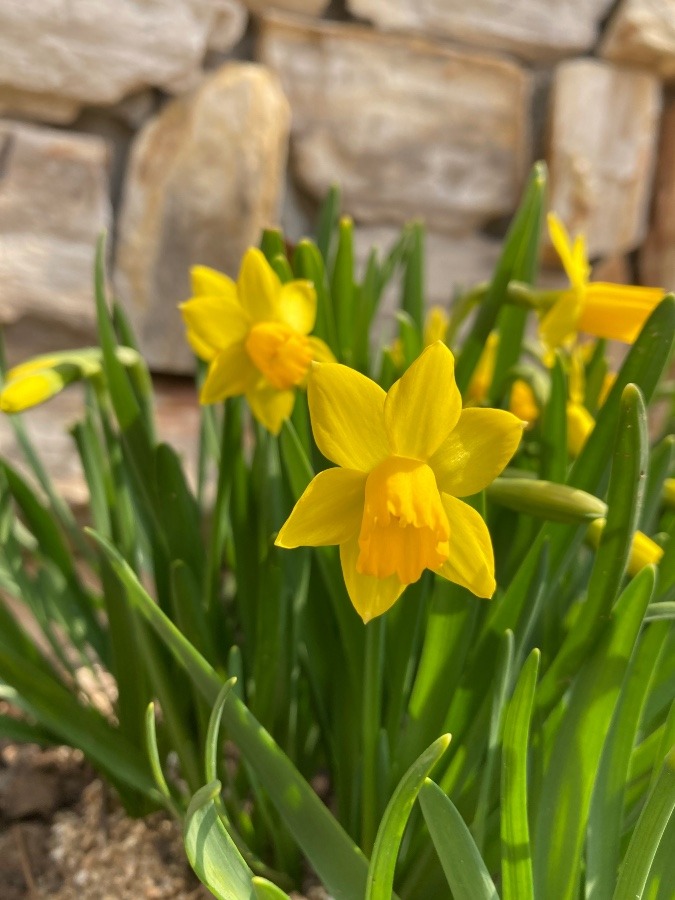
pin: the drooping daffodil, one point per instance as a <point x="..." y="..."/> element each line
<point x="403" y="459"/>
<point x="255" y="335"/>
<point x="613" y="311"/>
<point x="39" y="379"/>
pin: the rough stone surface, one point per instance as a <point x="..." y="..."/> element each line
<point x="405" y="126"/>
<point x="603" y="135"/>
<point x="57" y="56"/>
<point x="304" y="7"/>
<point x="53" y="204"/>
<point x="642" y="32"/>
<point x="530" y="28"/>
<point x="204" y="177"/>
<point x="657" y="258"/>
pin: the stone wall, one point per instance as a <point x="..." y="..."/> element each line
<point x="185" y="126"/>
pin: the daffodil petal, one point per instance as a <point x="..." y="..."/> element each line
<point x="214" y="322"/>
<point x="230" y="373"/>
<point x="617" y="311"/>
<point x="370" y="596"/>
<point x="562" y="243"/>
<point x="259" y="287"/>
<point x="347" y="412"/>
<point x="297" y="305"/>
<point x="476" y="451"/>
<point x="329" y="512"/>
<point x="207" y="282"/>
<point x="321" y="352"/>
<point x="471" y="560"/>
<point x="424" y="405"/>
<point x="271" y="407"/>
<point x="560" y="322"/>
<point x="580" y="423"/>
<point x="31" y="390"/>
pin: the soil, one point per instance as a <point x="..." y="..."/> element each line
<point x="64" y="836"/>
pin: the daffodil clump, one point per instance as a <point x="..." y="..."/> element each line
<point x="432" y="578"/>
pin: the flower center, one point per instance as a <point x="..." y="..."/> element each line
<point x="404" y="529"/>
<point x="280" y="353"/>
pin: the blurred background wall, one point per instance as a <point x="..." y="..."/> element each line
<point x="185" y="126"/>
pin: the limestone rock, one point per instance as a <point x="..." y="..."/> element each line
<point x="95" y="52"/>
<point x="657" y="258"/>
<point x="643" y="32"/>
<point x="603" y="134"/>
<point x="304" y="7"/>
<point x="53" y="204"/>
<point x="205" y="176"/>
<point x="528" y="28"/>
<point x="405" y="126"/>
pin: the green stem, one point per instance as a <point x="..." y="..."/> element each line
<point x="372" y="714"/>
<point x="520" y="294"/>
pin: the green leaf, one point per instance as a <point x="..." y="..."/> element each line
<point x="554" y="427"/>
<point x="211" y="851"/>
<point x="266" y="890"/>
<point x="648" y="834"/>
<point x="413" y="276"/>
<point x="342" y="289"/>
<point x="574" y="757"/>
<point x="624" y="502"/>
<point x="337" y="861"/>
<point x="462" y="863"/>
<point x="605" y="821"/>
<point x="517" y="261"/>
<point x="517" y="883"/>
<point x="390" y="833"/>
<point x="328" y="219"/>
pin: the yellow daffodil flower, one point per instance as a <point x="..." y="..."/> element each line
<point x="580" y="422"/>
<point x="613" y="311"/>
<point x="255" y="335"/>
<point x="41" y="378"/>
<point x="643" y="552"/>
<point x="403" y="459"/>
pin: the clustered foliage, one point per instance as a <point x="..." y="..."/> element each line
<point x="518" y="747"/>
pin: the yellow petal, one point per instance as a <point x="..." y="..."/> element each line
<point x="580" y="423"/>
<point x="471" y="559"/>
<point x="617" y="311"/>
<point x="423" y="405"/>
<point x="271" y="407"/>
<point x="259" y="287"/>
<point x="523" y="403"/>
<point x="435" y="325"/>
<point x="476" y="451"/>
<point x="484" y="371"/>
<point x="214" y="322"/>
<point x="562" y="243"/>
<point x="297" y="305"/>
<point x="329" y="511"/>
<point x="643" y="552"/>
<point x="370" y="596"/>
<point x="347" y="413"/>
<point x="560" y="322"/>
<point x="207" y="282"/>
<point x="321" y="352"/>
<point x="31" y="390"/>
<point x="230" y="373"/>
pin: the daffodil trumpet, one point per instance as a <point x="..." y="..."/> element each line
<point x="403" y="461"/>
